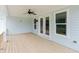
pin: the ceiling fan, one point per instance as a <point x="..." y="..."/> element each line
<point x="30" y="12"/>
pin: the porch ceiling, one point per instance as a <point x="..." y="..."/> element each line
<point x="19" y="10"/>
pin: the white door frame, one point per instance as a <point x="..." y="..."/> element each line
<point x="43" y="34"/>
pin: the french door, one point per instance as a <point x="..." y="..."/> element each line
<point x="44" y="26"/>
<point x="41" y="25"/>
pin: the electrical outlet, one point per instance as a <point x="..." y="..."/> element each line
<point x="74" y="41"/>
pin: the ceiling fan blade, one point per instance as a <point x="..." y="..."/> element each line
<point x="30" y="12"/>
<point x="34" y="13"/>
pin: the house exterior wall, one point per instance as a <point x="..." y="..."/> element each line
<point x="16" y="25"/>
<point x="72" y="28"/>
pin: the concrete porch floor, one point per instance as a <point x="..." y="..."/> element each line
<point x="31" y="43"/>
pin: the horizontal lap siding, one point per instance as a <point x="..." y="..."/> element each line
<point x="74" y="23"/>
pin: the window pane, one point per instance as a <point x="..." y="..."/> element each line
<point x="47" y="25"/>
<point x="61" y="29"/>
<point x="34" y="23"/>
<point x="61" y="17"/>
<point x="41" y="25"/>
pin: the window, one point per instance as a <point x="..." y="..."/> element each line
<point x="35" y="21"/>
<point x="47" y="25"/>
<point x="41" y="25"/>
<point x="61" y="23"/>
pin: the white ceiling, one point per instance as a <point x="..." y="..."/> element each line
<point x="19" y="10"/>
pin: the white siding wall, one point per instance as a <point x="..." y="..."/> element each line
<point x="72" y="28"/>
<point x="17" y="25"/>
<point x="3" y="15"/>
<point x="3" y="18"/>
<point x="74" y="16"/>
